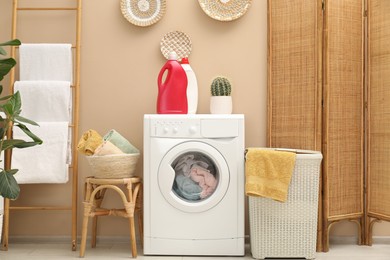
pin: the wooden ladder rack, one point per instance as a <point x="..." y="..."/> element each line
<point x="73" y="168"/>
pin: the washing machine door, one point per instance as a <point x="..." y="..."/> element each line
<point x="193" y="176"/>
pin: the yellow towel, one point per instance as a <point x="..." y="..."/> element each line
<point x="268" y="173"/>
<point x="89" y="142"/>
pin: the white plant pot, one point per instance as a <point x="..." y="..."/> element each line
<point x="221" y="105"/>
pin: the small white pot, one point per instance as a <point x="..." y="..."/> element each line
<point x="221" y="105"/>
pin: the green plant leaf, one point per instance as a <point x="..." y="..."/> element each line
<point x="26" y="120"/>
<point x="9" y="188"/>
<point x="26" y="144"/>
<point x="5" y="66"/>
<point x="5" y="97"/>
<point x="8" y="109"/>
<point x="18" y="143"/>
<point x="13" y="106"/>
<point x="14" y="42"/>
<point x="27" y="131"/>
<point x="11" y="143"/>
<point x="17" y="101"/>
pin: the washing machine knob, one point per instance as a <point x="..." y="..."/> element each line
<point x="175" y="130"/>
<point x="165" y="130"/>
<point x="193" y="129"/>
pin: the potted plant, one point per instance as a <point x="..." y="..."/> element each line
<point x="10" y="109"/>
<point x="221" y="100"/>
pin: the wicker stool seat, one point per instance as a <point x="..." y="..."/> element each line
<point x="95" y="190"/>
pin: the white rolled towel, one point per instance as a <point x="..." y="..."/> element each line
<point x="45" y="163"/>
<point x="45" y="61"/>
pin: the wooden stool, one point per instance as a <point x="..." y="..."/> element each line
<point x="94" y="195"/>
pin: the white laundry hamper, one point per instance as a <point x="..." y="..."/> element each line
<point x="288" y="229"/>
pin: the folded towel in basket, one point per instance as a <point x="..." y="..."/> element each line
<point x="107" y="148"/>
<point x="268" y="173"/>
<point x="119" y="141"/>
<point x="89" y="142"/>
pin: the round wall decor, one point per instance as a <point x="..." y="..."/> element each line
<point x="178" y="42"/>
<point x="225" y="10"/>
<point x="143" y="12"/>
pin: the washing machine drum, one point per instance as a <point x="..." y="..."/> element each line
<point x="193" y="176"/>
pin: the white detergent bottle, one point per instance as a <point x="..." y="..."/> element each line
<point x="192" y="87"/>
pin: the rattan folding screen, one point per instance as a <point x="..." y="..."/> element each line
<point x="343" y="114"/>
<point x="317" y="100"/>
<point x="378" y="163"/>
<point x="294" y="76"/>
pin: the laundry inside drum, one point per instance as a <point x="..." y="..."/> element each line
<point x="196" y="176"/>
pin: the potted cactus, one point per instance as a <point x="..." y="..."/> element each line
<point x="221" y="100"/>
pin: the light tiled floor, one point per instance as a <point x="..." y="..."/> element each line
<point x="48" y="251"/>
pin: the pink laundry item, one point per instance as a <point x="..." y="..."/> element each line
<point x="205" y="180"/>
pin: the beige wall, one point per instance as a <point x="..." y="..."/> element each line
<point x="120" y="64"/>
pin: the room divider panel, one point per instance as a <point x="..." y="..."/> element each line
<point x="295" y="77"/>
<point x="343" y="114"/>
<point x="317" y="100"/>
<point x="378" y="163"/>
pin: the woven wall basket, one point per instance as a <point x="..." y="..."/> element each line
<point x="113" y="166"/>
<point x="178" y="42"/>
<point x="225" y="10"/>
<point x="143" y="12"/>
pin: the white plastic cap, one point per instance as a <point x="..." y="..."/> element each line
<point x="172" y="56"/>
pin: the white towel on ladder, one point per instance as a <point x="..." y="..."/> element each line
<point x="46" y="61"/>
<point x="45" y="101"/>
<point x="45" y="163"/>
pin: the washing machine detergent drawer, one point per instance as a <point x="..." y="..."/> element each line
<point x="192" y="128"/>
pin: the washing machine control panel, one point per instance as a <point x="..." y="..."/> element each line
<point x="176" y="128"/>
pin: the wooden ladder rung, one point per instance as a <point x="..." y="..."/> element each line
<point x="17" y="47"/>
<point x="39" y="208"/>
<point x="47" y="8"/>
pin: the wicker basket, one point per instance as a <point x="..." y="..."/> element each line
<point x="289" y="229"/>
<point x="114" y="165"/>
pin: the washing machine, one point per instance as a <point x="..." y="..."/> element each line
<point x="194" y="185"/>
